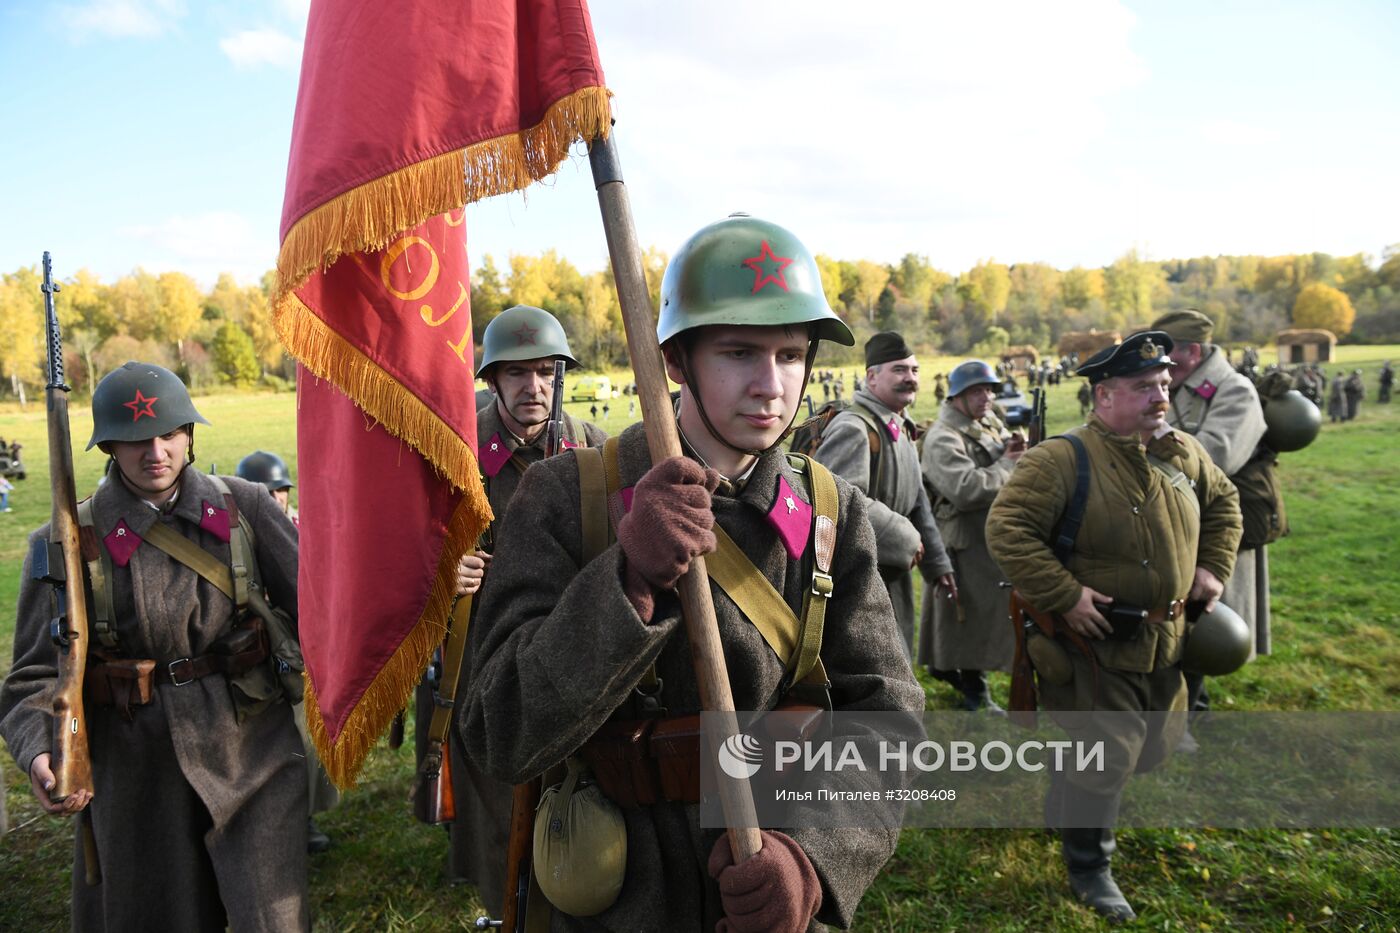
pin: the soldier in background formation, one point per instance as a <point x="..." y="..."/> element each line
<point x="1220" y="409"/>
<point x="1337" y="400"/>
<point x="968" y="455"/>
<point x="1161" y="526"/>
<point x="271" y="471"/>
<point x="1355" y="389"/>
<point x="1309" y="380"/>
<point x="519" y="348"/>
<point x="1387" y="380"/>
<point x="199" y="788"/>
<point x="871" y="446"/>
<point x="565" y="643"/>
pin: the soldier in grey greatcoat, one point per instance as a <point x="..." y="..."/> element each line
<point x="1220" y="408"/>
<point x="519" y="348"/>
<point x="563" y="643"/>
<point x="871" y="446"/>
<point x="968" y="456"/>
<point x="199" y="818"/>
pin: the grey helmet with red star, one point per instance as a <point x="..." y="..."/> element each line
<point x="139" y="401"/>
<point x="743" y="270"/>
<point x="524" y="333"/>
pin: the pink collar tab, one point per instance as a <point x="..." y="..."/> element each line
<point x="1206" y="389"/>
<point x="214" y="520"/>
<point x="566" y="444"/>
<point x="494" y="455"/>
<point x="791" y="518"/>
<point x="626" y="494"/>
<point x="121" y="543"/>
<point x="893" y="427"/>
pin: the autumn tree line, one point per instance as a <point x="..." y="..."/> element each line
<point x="225" y="335"/>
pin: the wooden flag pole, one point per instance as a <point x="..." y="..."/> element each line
<point x="663" y="440"/>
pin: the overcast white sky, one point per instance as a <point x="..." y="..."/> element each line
<point x="155" y="132"/>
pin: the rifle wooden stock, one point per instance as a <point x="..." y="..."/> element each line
<point x="663" y="441"/>
<point x="433" y="800"/>
<point x="525" y="798"/>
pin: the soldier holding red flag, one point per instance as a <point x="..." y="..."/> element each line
<point x="570" y="649"/>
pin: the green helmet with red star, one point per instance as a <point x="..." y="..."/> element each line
<point x="743" y="270"/>
<point x="140" y="401"/>
<point x="523" y="333"/>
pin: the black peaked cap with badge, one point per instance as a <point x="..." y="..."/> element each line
<point x="1140" y="352"/>
<point x="885" y="347"/>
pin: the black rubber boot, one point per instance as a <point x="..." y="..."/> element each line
<point x="976" y="693"/>
<point x="1088" y="851"/>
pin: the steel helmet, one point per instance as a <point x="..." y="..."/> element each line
<point x="523" y="333"/>
<point x="140" y="401"/>
<point x="742" y="270"/>
<point x="969" y="374"/>
<point x="263" y="467"/>
<point x="1293" y="421"/>
<point x="1218" y="642"/>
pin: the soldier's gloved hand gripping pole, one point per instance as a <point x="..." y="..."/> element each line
<point x="59" y="562"/>
<point x="663" y="440"/>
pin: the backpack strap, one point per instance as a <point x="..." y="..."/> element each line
<point x="1074" y="514"/>
<point x="99" y="567"/>
<point x="876" y="434"/>
<point x="192" y="556"/>
<point x="242" y="562"/>
<point x="825" y="508"/>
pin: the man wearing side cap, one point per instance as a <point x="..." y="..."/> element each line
<point x="1220" y="408"/>
<point x="1161" y="525"/>
<point x="871" y="446"/>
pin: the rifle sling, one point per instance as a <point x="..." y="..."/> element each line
<point x="452" y="652"/>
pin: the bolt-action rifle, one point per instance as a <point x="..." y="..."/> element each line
<point x="1035" y="424"/>
<point x="58" y="561"/>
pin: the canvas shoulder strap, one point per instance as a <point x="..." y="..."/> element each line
<point x="876" y="432"/>
<point x="99" y="566"/>
<point x="1073" y="518"/>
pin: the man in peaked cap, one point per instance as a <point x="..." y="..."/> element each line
<point x="1220" y="408"/>
<point x="199" y="784"/>
<point x="572" y="640"/>
<point x="519" y="348"/>
<point x="1160" y="526"/>
<point x="871" y="445"/>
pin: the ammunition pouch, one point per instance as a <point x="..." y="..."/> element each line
<point x="120" y="682"/>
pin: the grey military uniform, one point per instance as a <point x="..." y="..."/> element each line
<point x="965" y="466"/>
<point x="1220" y="408"/>
<point x="559" y="647"/>
<point x="200" y="820"/>
<point x="899" y="508"/>
<point x="482" y="827"/>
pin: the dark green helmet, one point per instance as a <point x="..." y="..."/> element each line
<point x="140" y="401"/>
<point x="742" y="270"/>
<point x="524" y="333"/>
<point x="969" y="374"/>
<point x="263" y="467"/>
<point x="1293" y="422"/>
<point x="1218" y="642"/>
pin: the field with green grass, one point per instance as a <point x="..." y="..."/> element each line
<point x="1336" y="591"/>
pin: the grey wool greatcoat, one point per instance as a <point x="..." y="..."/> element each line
<point x="894" y="492"/>
<point x="965" y="467"/>
<point x="200" y="820"/>
<point x="560" y="647"/>
<point x="1220" y="408"/>
<point x="482" y="827"/>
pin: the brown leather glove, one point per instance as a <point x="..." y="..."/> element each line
<point x="776" y="891"/>
<point x="669" y="525"/>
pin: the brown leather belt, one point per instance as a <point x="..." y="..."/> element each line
<point x="1171" y="613"/>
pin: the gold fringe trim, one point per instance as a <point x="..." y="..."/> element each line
<point x="370" y="216"/>
<point x="393" y="686"/>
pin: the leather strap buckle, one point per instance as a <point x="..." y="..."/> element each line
<point x="1174" y="609"/>
<point x="175" y="679"/>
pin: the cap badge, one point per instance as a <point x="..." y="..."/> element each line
<point x="760" y="265"/>
<point x="137" y="411"/>
<point x="1149" y="350"/>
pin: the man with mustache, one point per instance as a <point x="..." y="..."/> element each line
<point x="871" y="446"/>
<point x="1160" y="526"/>
<point x="519" y="347"/>
<point x="579" y="638"/>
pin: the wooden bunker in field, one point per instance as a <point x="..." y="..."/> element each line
<point x="1020" y="359"/>
<point x="1087" y="343"/>
<point x="1304" y="345"/>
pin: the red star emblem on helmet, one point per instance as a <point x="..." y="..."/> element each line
<point x="137" y="412"/>
<point x="760" y="265"/>
<point x="525" y="334"/>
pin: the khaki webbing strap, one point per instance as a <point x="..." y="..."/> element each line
<point x="593" y="501"/>
<point x="611" y="514"/>
<point x="240" y="548"/>
<point x="100" y="573"/>
<point x="756" y="598"/>
<point x="191" y="555"/>
<point x="452" y="652"/>
<point x="825" y="505"/>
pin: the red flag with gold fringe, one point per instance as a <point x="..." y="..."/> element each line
<point x="406" y="112"/>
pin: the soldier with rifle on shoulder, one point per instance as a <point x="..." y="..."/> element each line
<point x="197" y="794"/>
<point x="520" y="349"/>
<point x="581" y="655"/>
